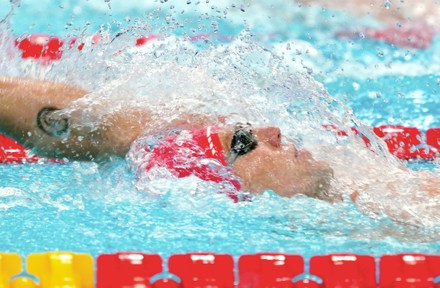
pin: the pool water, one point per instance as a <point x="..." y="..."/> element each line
<point x="86" y="207"/>
<point x="71" y="207"/>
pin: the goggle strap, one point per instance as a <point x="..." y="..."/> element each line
<point x="232" y="157"/>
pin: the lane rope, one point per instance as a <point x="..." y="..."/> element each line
<point x="403" y="142"/>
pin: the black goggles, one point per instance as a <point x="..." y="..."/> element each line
<point x="243" y="141"/>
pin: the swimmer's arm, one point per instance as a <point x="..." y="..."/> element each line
<point x="21" y="101"/>
<point x="430" y="183"/>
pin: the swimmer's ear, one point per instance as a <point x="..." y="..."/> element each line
<point x="52" y="123"/>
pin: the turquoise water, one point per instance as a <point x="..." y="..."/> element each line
<point x="85" y="207"/>
<point x="71" y="207"/>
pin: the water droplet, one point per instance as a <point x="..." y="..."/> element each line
<point x="168" y="19"/>
<point x="158" y="53"/>
<point x="356" y="86"/>
<point x="188" y="2"/>
<point x="15" y="3"/>
<point x="215" y="26"/>
<point x="108" y="3"/>
<point x="387" y="4"/>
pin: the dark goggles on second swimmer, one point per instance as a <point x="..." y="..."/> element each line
<point x="243" y="141"/>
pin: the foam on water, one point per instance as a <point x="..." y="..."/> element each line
<point x="247" y="79"/>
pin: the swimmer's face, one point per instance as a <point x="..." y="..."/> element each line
<point x="281" y="168"/>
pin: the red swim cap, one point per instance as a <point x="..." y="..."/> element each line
<point x="193" y="152"/>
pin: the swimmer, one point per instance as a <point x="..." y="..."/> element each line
<point x="252" y="159"/>
<point x="31" y="113"/>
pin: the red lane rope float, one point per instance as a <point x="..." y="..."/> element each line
<point x="403" y="142"/>
<point x="406" y="142"/>
<point x="40" y="46"/>
<point x="12" y="152"/>
<point x="135" y="269"/>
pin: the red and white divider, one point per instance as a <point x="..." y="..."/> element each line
<point x="132" y="269"/>
<point x="47" y="48"/>
<point x="403" y="142"/>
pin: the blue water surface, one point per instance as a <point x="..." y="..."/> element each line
<point x="72" y="207"/>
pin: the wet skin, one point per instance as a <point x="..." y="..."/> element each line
<point x="282" y="168"/>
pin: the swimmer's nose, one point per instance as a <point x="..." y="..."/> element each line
<point x="271" y="135"/>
